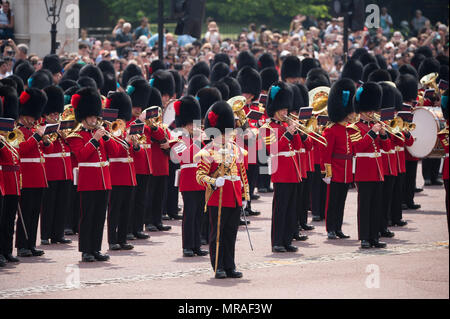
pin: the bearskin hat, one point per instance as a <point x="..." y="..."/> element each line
<point x="429" y="65"/>
<point x="353" y="70"/>
<point x="40" y="80"/>
<point x="196" y="83"/>
<point x="199" y="68"/>
<point x="178" y="82"/>
<point x="291" y="68"/>
<point x="10" y="102"/>
<point x="408" y="86"/>
<point x="219" y="71"/>
<point x="233" y="85"/>
<point x="388" y="99"/>
<point x="220" y="115"/>
<point x="246" y="58"/>
<point x="164" y="82"/>
<point x="121" y="102"/>
<point x="24" y="71"/>
<point x="187" y="110"/>
<point x="268" y="77"/>
<point x="55" y="100"/>
<point x="340" y="100"/>
<point x="86" y="102"/>
<point x="155" y="66"/>
<point x="223" y="88"/>
<point x="130" y="71"/>
<point x="408" y="69"/>
<point x="250" y="81"/>
<point x="32" y="102"/>
<point x="265" y="60"/>
<point x="307" y="65"/>
<point x="155" y="98"/>
<point x="280" y="97"/>
<point x="52" y="63"/>
<point x="369" y="68"/>
<point x="379" y="76"/>
<point x="207" y="97"/>
<point x="368" y="97"/>
<point x="93" y="72"/>
<point x="139" y="91"/>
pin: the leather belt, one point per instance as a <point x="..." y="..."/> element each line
<point x="10" y="168"/>
<point x="32" y="160"/>
<point x="121" y="160"/>
<point x="98" y="164"/>
<point x="342" y="156"/>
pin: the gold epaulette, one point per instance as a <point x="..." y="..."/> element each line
<point x="272" y="138"/>
<point x="355" y="127"/>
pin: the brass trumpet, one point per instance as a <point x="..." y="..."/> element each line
<point x="306" y="130"/>
<point x="114" y="134"/>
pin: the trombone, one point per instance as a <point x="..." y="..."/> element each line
<point x="116" y="128"/>
<point x="12" y="140"/>
<point x="394" y="127"/>
<point x="308" y="130"/>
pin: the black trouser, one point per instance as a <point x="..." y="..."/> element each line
<point x="300" y="210"/>
<point x="284" y="213"/>
<point x="31" y="204"/>
<point x="446" y="201"/>
<point x="171" y="202"/>
<point x="252" y="175"/>
<point x="205" y="226"/>
<point x="430" y="168"/>
<point x="120" y="204"/>
<point x="136" y="220"/>
<point x="387" y="198"/>
<point x="92" y="220"/>
<point x="369" y="209"/>
<point x="263" y="179"/>
<point x="410" y="182"/>
<point x="229" y="224"/>
<point x="318" y="193"/>
<point x="307" y="188"/>
<point x="55" y="207"/>
<point x="8" y="216"/>
<point x="397" y="194"/>
<point x="337" y="195"/>
<point x="158" y="188"/>
<point x="73" y="215"/>
<point x="194" y="205"/>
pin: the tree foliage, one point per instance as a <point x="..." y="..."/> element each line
<point x="242" y="11"/>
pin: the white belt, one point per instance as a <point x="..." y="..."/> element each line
<point x="371" y="155"/>
<point x="286" y="154"/>
<point x="57" y="155"/>
<point x="32" y="160"/>
<point x="188" y="165"/>
<point x="233" y="178"/>
<point x="121" y="160"/>
<point x="146" y="145"/>
<point x="302" y="150"/>
<point x="98" y="164"/>
<point x="399" y="149"/>
<point x="388" y="152"/>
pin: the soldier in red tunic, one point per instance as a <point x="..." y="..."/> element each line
<point x="58" y="168"/>
<point x="187" y="111"/>
<point x="123" y="174"/>
<point x="9" y="161"/>
<point x="368" y="139"/>
<point x="338" y="154"/>
<point x="281" y="141"/>
<point x="32" y="167"/>
<point x="221" y="171"/>
<point x="91" y="146"/>
<point x="443" y="138"/>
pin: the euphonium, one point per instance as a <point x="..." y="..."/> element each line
<point x="15" y="137"/>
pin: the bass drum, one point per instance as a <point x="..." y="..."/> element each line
<point x="429" y="121"/>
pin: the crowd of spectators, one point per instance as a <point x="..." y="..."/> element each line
<point x="307" y="37"/>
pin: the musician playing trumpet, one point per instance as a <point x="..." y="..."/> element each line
<point x="91" y="146"/>
<point x="58" y="168"/>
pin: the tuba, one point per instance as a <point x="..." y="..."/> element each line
<point x="237" y="103"/>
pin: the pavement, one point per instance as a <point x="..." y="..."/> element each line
<point x="415" y="264"/>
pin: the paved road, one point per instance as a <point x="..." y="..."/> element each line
<point x="414" y="265"/>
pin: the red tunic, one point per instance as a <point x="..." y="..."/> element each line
<point x="367" y="149"/>
<point x="123" y="172"/>
<point x="285" y="167"/>
<point x="58" y="164"/>
<point x="443" y="138"/>
<point x="93" y="165"/>
<point x="338" y="153"/>
<point x="10" y="171"/>
<point x="32" y="161"/>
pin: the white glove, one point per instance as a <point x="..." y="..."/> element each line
<point x="327" y="180"/>
<point x="244" y="204"/>
<point x="220" y="181"/>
